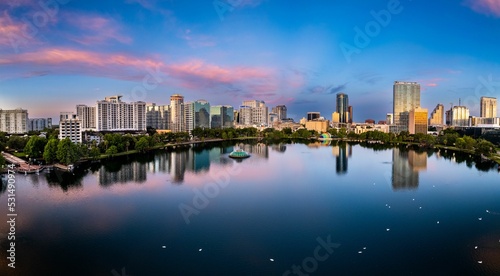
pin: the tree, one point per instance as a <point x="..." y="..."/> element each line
<point x="95" y="152"/>
<point x="142" y="145"/>
<point x="485" y="147"/>
<point x="50" y="150"/>
<point x="112" y="150"/>
<point x="67" y="152"/>
<point x="35" y="146"/>
<point x="16" y="142"/>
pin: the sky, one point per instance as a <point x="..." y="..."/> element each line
<point x="55" y="54"/>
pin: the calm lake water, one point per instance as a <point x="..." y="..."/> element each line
<point x="290" y="209"/>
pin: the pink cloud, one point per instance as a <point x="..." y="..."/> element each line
<point x="488" y="7"/>
<point x="432" y="84"/>
<point x="8" y="29"/>
<point x="95" y="29"/>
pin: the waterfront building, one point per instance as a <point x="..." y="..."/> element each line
<point x="70" y="127"/>
<point x="418" y="121"/>
<point x="343" y="107"/>
<point x="280" y="110"/>
<point x="87" y="116"/>
<point x="318" y="125"/>
<point x="158" y="116"/>
<point x="406" y="97"/>
<point x="201" y="111"/>
<point x="313" y="116"/>
<point x="459" y="116"/>
<point x="177" y="113"/>
<point x="188" y="110"/>
<point x="437" y="116"/>
<point x="114" y="115"/>
<point x="14" y="121"/>
<point x="488" y="107"/>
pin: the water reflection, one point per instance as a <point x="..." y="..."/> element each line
<point x="405" y="168"/>
<point x="341" y="152"/>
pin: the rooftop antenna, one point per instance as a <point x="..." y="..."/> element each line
<point x="459" y="102"/>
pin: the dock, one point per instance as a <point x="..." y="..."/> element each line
<point x="21" y="165"/>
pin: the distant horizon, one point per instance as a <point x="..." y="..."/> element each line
<point x="57" y="54"/>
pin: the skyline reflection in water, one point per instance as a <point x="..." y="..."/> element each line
<point x="127" y="210"/>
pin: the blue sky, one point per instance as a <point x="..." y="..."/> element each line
<point x="227" y="51"/>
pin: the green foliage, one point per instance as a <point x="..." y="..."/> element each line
<point x="35" y="146"/>
<point x="2" y="161"/>
<point x="485" y="147"/>
<point x="16" y="142"/>
<point x="143" y="144"/>
<point x="67" y="152"/>
<point x="50" y="150"/>
<point x="112" y="150"/>
<point x="301" y="134"/>
<point x="95" y="152"/>
<point x="287" y="131"/>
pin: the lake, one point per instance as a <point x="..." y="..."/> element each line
<point x="290" y="209"/>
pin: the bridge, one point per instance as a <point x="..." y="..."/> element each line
<point x="21" y="165"/>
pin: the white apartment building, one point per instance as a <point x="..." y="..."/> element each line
<point x="70" y="127"/>
<point x="114" y="115"/>
<point x="14" y="121"/>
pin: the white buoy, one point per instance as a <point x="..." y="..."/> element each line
<point x="438" y="222"/>
<point x="420" y="207"/>
<point x="479" y="262"/>
<point x="199" y="250"/>
<point x="272" y="260"/>
<point x="359" y="252"/>
<point x="480" y="218"/>
<point x="163" y="246"/>
<point x="475" y="247"/>
<point x="387" y="229"/>
<point x="364" y="248"/>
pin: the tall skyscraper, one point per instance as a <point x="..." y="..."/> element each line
<point x="259" y="112"/>
<point x="343" y="107"/>
<point x="280" y="110"/>
<point x="114" y="115"/>
<point x="437" y="116"/>
<point x="459" y="116"/>
<point x="488" y="107"/>
<point x="418" y="121"/>
<point x="39" y="124"/>
<point x="177" y="113"/>
<point x="70" y="127"/>
<point x="188" y="109"/>
<point x="222" y="116"/>
<point x="157" y="116"/>
<point x="406" y="96"/>
<point x="201" y="114"/>
<point x="14" y="121"/>
<point x="389" y="119"/>
<point x="245" y="114"/>
<point x="87" y="116"/>
<point x="351" y="114"/>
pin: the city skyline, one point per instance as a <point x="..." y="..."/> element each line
<point x="72" y="52"/>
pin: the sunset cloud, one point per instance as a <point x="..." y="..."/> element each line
<point x="94" y="29"/>
<point x="488" y="7"/>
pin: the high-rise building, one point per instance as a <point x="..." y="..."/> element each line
<point x="343" y="107"/>
<point x="406" y="96"/>
<point x="280" y="110"/>
<point x="188" y="109"/>
<point x="14" y="121"/>
<point x="201" y="114"/>
<point x="114" y="115"/>
<point x="418" y="121"/>
<point x="459" y="116"/>
<point x="157" y="116"/>
<point x="351" y="114"/>
<point x="437" y="116"/>
<point x="488" y="107"/>
<point x="70" y="127"/>
<point x="245" y="115"/>
<point x="176" y="113"/>
<point x="273" y="118"/>
<point x="39" y="124"/>
<point x="258" y="112"/>
<point x="87" y="116"/>
<point x="389" y="119"/>
<point x="313" y="116"/>
<point x="335" y="118"/>
<point x="448" y="117"/>
<point x="222" y="116"/>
